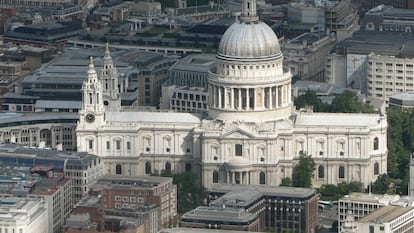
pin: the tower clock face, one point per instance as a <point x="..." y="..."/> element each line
<point x="90" y="118"/>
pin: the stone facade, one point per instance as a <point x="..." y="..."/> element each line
<point x="251" y="134"/>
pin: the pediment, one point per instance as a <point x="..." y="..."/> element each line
<point x="238" y="133"/>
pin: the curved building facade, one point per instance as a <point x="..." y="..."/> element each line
<point x="252" y="135"/>
<point x="249" y="81"/>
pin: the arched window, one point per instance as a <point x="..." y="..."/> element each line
<point x="188" y="167"/>
<point x="321" y="172"/>
<point x="118" y="169"/>
<point x="262" y="179"/>
<point x="376" y="168"/>
<point x="215" y="177"/>
<point x="376" y="143"/>
<point x="341" y="172"/>
<point x="148" y="168"/>
<point x="168" y="166"/>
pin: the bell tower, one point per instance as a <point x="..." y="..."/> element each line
<point x="109" y="79"/>
<point x="92" y="100"/>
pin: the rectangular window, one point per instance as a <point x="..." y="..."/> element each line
<point x="371" y="229"/>
<point x="90" y="144"/>
<point x="239" y="150"/>
<point x="108" y="145"/>
<point x="117" y="198"/>
<point x="128" y="145"/>
<point x="118" y="145"/>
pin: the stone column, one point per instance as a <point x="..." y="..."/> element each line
<point x="277" y="97"/>
<point x="232" y="98"/>
<point x="270" y="97"/>
<point x="254" y="97"/>
<point x="219" y="97"/>
<point x="247" y="98"/>
<point x="214" y="100"/>
<point x="240" y="99"/>
<point x="250" y="177"/>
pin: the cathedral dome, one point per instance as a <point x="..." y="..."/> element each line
<point x="247" y="39"/>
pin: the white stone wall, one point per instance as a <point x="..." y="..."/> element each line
<point x="26" y="220"/>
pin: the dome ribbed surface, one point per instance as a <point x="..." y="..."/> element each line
<point x="249" y="40"/>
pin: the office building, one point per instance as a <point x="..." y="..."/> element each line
<point x="341" y="18"/>
<point x="83" y="169"/>
<point x="305" y="55"/>
<point x="388" y="75"/>
<point x="256" y="208"/>
<point x="358" y="205"/>
<point x="22" y="214"/>
<point x="131" y="192"/>
<point x="43" y="35"/>
<point x="387" y="18"/>
<point x="186" y="87"/>
<point x="348" y="64"/>
<point x="388" y="219"/>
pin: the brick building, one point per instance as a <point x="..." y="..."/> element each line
<point x="129" y="192"/>
<point x="120" y="203"/>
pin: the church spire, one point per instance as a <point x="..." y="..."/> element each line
<point x="249" y="11"/>
<point x="91" y="71"/>
<point x="107" y="52"/>
<point x="109" y="79"/>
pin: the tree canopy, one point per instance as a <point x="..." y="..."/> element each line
<point x="331" y="192"/>
<point x="189" y="193"/>
<point x="400" y="142"/>
<point x="303" y="172"/>
<point x="346" y="102"/>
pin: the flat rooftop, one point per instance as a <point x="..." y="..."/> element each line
<point x="195" y="230"/>
<point x="133" y="181"/>
<point x="81" y="160"/>
<point x="356" y="120"/>
<point x="200" y="63"/>
<point x="264" y="190"/>
<point x="404" y="99"/>
<point x="378" y="42"/>
<point x="386" y="214"/>
<point x="370" y="198"/>
<point x="213" y="213"/>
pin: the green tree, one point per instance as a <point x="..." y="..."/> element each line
<point x="286" y="182"/>
<point x="303" y="172"/>
<point x="346" y="102"/>
<point x="381" y="185"/>
<point x="329" y="192"/>
<point x="310" y="99"/>
<point x="189" y="193"/>
<point x="400" y="142"/>
<point x="355" y="186"/>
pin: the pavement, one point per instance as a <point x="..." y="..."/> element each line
<point x="328" y="216"/>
